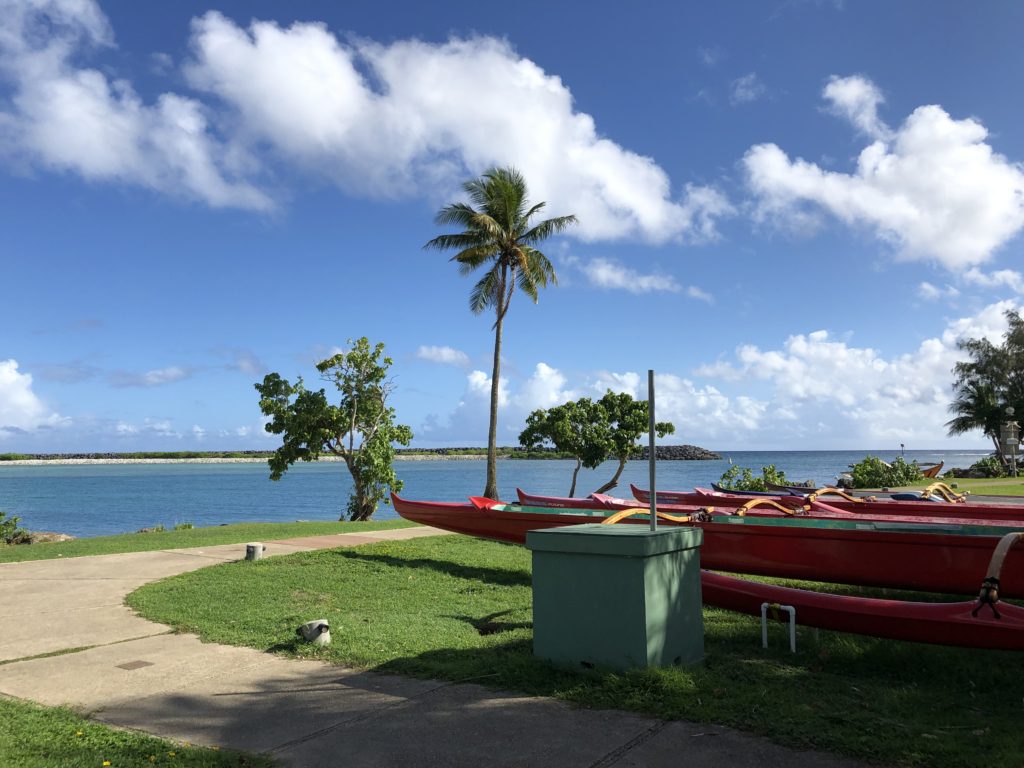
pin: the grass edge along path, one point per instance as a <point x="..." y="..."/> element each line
<point x="33" y="736"/>
<point x="460" y="609"/>
<point x="192" y="537"/>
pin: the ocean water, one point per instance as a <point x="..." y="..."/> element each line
<point x="100" y="499"/>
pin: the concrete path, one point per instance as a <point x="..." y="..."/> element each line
<point x="132" y="673"/>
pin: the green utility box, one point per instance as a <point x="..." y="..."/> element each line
<point x="617" y="596"/>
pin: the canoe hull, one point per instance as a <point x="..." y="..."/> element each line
<point x="936" y="623"/>
<point x="967" y="510"/>
<point x="867" y="554"/>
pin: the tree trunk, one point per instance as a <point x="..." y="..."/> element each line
<point x="572" y="488"/>
<point x="999" y="452"/>
<point x="491" y="489"/>
<point x="615" y="478"/>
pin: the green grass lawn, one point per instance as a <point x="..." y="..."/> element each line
<point x="194" y="537"/>
<point x="45" y="737"/>
<point x="460" y="609"/>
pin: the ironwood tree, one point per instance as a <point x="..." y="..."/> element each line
<point x="628" y="421"/>
<point x="594" y="432"/>
<point x="579" y="428"/>
<point x="360" y="429"/>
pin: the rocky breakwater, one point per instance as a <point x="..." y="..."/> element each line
<point x="680" y="453"/>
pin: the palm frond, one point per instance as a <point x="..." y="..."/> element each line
<point x="456" y="214"/>
<point x="546" y="228"/>
<point x="486" y="293"/>
<point x="459" y="240"/>
<point x="487" y="225"/>
<point x="533" y="211"/>
<point x="540" y="267"/>
<point x="527" y="283"/>
<point x="472" y="259"/>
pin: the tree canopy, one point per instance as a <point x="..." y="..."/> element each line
<point x="594" y="432"/>
<point x="989" y="382"/>
<point x="579" y="427"/>
<point x="360" y="429"/>
<point x="629" y="420"/>
<point x="499" y="235"/>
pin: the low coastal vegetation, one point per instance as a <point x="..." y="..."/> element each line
<point x="872" y="472"/>
<point x="11" y="532"/>
<point x="40" y="737"/>
<point x="182" y="537"/>
<point x="737" y="478"/>
<point x="460" y="609"/>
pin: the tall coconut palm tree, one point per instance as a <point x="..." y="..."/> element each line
<point x="498" y="235"/>
<point x="976" y="406"/>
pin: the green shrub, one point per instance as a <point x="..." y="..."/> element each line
<point x="10" y="532"/>
<point x="742" y="479"/>
<point x="183" y="526"/>
<point x="872" y="472"/>
<point x="990" y="466"/>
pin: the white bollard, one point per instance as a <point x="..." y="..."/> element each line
<point x="792" y="623"/>
<point x="254" y="551"/>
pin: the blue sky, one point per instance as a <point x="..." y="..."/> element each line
<point x="790" y="210"/>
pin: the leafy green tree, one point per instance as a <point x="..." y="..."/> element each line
<point x="499" y="236"/>
<point x="628" y="421"/>
<point x="990" y="381"/>
<point x="360" y="429"/>
<point x="579" y="428"/>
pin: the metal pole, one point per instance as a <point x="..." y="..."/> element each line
<point x="650" y="436"/>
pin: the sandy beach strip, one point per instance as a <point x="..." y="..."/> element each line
<point x="247" y="460"/>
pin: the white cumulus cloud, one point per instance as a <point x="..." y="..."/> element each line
<point x="69" y="118"/>
<point x="381" y="119"/>
<point x="933" y="188"/>
<point x="605" y="273"/>
<point x="857" y="99"/>
<point x="747" y="89"/>
<point x="931" y="292"/>
<point x="443" y="355"/>
<point x="858" y="395"/>
<point x="544" y="389"/>
<point x="1007" y="278"/>
<point x="21" y="410"/>
<point x="154" y="378"/>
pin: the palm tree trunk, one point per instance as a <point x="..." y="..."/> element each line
<point x="491" y="489"/>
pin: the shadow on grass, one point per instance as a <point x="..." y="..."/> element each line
<point x="489" y="624"/>
<point x="879" y="701"/>
<point x="501" y="576"/>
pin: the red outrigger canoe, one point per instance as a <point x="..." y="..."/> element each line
<point x="938" y="623"/>
<point x="967" y="510"/>
<point x="951" y="559"/>
<point x="763" y="506"/>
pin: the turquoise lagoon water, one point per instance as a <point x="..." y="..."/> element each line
<point x="99" y="499"/>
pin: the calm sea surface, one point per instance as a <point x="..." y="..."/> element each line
<point x="98" y="499"/>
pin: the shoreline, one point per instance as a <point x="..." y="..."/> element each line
<point x="247" y="460"/>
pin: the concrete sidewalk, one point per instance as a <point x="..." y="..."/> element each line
<point x="134" y="673"/>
